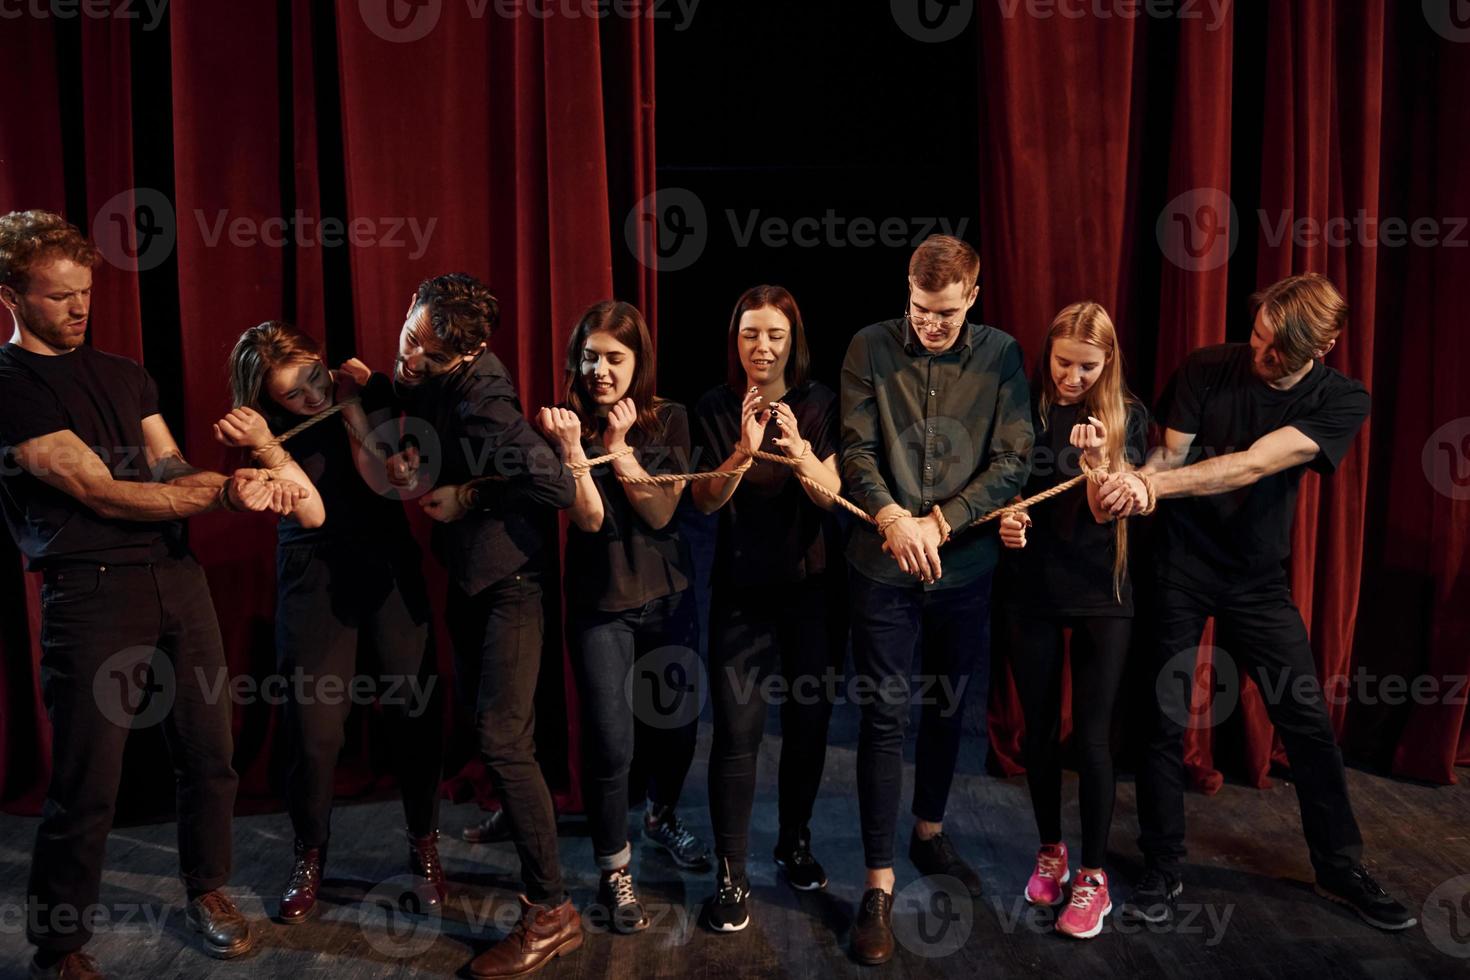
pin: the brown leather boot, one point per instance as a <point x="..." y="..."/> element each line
<point x="298" y="901"/>
<point x="423" y="863"/>
<point x="72" y="966"/>
<point x="544" y="933"/>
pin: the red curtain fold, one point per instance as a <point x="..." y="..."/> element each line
<point x="480" y="146"/>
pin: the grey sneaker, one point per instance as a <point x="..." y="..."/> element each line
<point x="669" y="833"/>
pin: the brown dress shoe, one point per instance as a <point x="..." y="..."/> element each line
<point x="544" y="933"/>
<point x="72" y="966"/>
<point x="226" y="933"/>
<point x="423" y="863"/>
<point x="872" y="932"/>
<point x="298" y="901"/>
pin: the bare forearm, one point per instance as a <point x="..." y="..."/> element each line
<point x="822" y="472"/>
<point x="127" y="501"/>
<point x="655" y="503"/>
<point x="1219" y="475"/>
<point x="710" y="495"/>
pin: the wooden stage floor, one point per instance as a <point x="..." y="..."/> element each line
<point x="1248" y="909"/>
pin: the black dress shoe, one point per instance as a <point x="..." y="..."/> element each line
<point x="937" y="856"/>
<point x="226" y="933"/>
<point x="872" y="930"/>
<point x="491" y="830"/>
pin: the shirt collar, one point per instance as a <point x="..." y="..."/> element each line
<point x="962" y="345"/>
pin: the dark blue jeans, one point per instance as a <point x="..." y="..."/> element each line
<point x="950" y="628"/>
<point x="639" y="679"/>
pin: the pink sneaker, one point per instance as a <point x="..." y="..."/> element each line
<point x="1083" y="916"/>
<point x="1045" y="886"/>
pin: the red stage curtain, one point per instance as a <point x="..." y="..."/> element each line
<point x="482" y="146"/>
<point x="1105" y="134"/>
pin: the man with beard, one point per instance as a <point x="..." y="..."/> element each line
<point x="495" y="474"/>
<point x="1244" y="422"/>
<point x="94" y="490"/>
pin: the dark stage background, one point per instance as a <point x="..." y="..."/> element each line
<point x="1091" y="157"/>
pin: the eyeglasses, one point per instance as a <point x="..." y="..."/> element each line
<point x="929" y="319"/>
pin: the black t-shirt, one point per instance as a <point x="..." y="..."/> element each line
<point x="1066" y="568"/>
<point x="104" y="400"/>
<point x="626" y="562"/>
<point x="1245" y="535"/>
<point x="769" y="530"/>
<point x="327" y="455"/>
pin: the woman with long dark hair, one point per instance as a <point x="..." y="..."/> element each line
<point x="777" y="587"/>
<point x="631" y="615"/>
<point x="1068" y="569"/>
<point x="350" y="599"/>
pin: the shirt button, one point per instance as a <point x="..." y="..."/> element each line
<point x="931" y="430"/>
<point x="932" y="392"/>
<point x="928" y="467"/>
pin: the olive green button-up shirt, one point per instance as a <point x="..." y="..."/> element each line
<point x="920" y="429"/>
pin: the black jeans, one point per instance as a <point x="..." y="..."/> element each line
<point x="336" y="600"/>
<point x="638" y="680"/>
<point x="1099" y="654"/>
<point x="497" y="648"/>
<point x="951" y="629"/>
<point x="1259" y="627"/>
<point x="101" y="628"/>
<point x="796" y="632"/>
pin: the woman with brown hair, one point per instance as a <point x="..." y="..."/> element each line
<point x="342" y="607"/>
<point x="1070" y="571"/>
<point x="631" y="615"/>
<point x="778" y="604"/>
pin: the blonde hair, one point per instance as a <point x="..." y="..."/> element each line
<point x="1108" y="399"/>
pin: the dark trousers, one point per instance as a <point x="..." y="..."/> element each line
<point x="1260" y="629"/>
<point x="637" y="672"/>
<point x="951" y="629"/>
<point x="497" y="646"/>
<point x="336" y="602"/>
<point x="101" y="628"/>
<point x="1099" y="654"/>
<point x="795" y="632"/>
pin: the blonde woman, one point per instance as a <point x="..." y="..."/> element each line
<point x="1067" y="567"/>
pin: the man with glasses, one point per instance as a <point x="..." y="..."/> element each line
<point x="936" y="432"/>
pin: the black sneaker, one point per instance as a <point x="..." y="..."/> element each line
<point x="796" y="862"/>
<point x="1153" y="896"/>
<point x="668" y="832"/>
<point x="727" y="911"/>
<point x="618" y="898"/>
<point x="1357" y="890"/>
<point x="937" y="856"/>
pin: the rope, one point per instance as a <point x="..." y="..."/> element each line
<point x="1089" y="472"/>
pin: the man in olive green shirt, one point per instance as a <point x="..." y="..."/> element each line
<point x="936" y="433"/>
